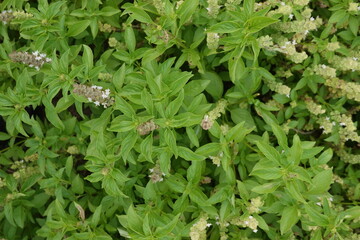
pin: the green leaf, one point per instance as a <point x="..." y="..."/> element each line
<point x="130" y="39"/>
<point x="124" y="107"/>
<point x="296" y="151"/>
<point x="321" y="182"/>
<point x="164" y="231"/>
<point x="88" y="57"/>
<point x="280" y="135"/>
<point x="127" y="144"/>
<point x="119" y="77"/>
<point x="238" y="115"/>
<point x="315" y="216"/>
<point x="77" y="185"/>
<point x="135" y="222"/>
<point x="51" y="114"/>
<point x="337" y="16"/>
<point x="192" y="136"/>
<point x="224" y="27"/>
<point x="175" y="105"/>
<point x="186" y="10"/>
<point x="256" y="24"/>
<point x="170" y="139"/>
<point x="109" y="11"/>
<point x="77" y="28"/>
<point x="138" y="14"/>
<point x="189" y="155"/>
<point x="270" y="153"/>
<point x="266" y="188"/>
<point x="289" y="217"/>
<point x="238" y="133"/>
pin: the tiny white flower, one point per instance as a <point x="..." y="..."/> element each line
<point x="342" y="124"/>
<point x="43" y="55"/>
<point x="355" y="58"/>
<point x="282" y="4"/>
<point x="217" y="223"/>
<point x="312" y="19"/>
<point x="291" y="16"/>
<point x="163" y="174"/>
<point x="89" y="99"/>
<point x="3" y="12"/>
<point x="283" y="47"/>
<point x="99" y="87"/>
<point x="151" y="170"/>
<point x="104" y="95"/>
<point x="327" y="118"/>
<point x="331" y="199"/>
<point x="323" y="66"/>
<point x="318" y="203"/>
<point x="30" y="65"/>
<point x="107" y="91"/>
<point x="358" y="8"/>
<point x="246" y="222"/>
<point x="255" y="230"/>
<point x="10" y="11"/>
<point x="48" y="59"/>
<point x="161" y="179"/>
<point x="36" y="53"/>
<point x="38" y="58"/>
<point x="227" y="224"/>
<point x="94" y="86"/>
<point x="321" y="127"/>
<point x="97" y="103"/>
<point x="37" y="68"/>
<point x="208" y="225"/>
<point x="333" y="123"/>
<point x="288" y="95"/>
<point x="293" y="42"/>
<point x="251" y="217"/>
<point x="209" y="9"/>
<point x="287" y="43"/>
<point x="306" y="32"/>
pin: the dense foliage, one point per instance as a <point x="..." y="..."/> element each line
<point x="190" y="119"/>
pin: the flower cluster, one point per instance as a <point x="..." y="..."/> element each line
<point x="22" y="168"/>
<point x="214" y="114"/>
<point x="345" y="63"/>
<point x="34" y="59"/>
<point x="342" y="88"/>
<point x="324" y="71"/>
<point x="217" y="159"/>
<point x="313" y="108"/>
<point x="198" y="230"/>
<point x="283" y="9"/>
<point x="94" y="94"/>
<point x="212" y="40"/>
<point x="255" y="205"/>
<point x="2" y="182"/>
<point x="249" y="222"/>
<point x="105" y="77"/>
<point x="146" y="127"/>
<point x="105" y="27"/>
<point x="73" y="150"/>
<point x="301" y="2"/>
<point x="348" y="157"/>
<point x="156" y="174"/>
<point x="160" y="6"/>
<point x="7" y="16"/>
<point x="213" y="8"/>
<point x="278" y="87"/>
<point x="332" y="46"/>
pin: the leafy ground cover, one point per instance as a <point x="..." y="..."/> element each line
<point x="190" y="119"/>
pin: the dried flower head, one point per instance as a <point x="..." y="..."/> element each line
<point x="147" y="127"/>
<point x="94" y="94"/>
<point x="34" y="59"/>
